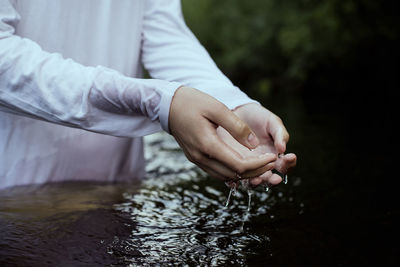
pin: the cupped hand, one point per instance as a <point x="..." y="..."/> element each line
<point x="193" y="120"/>
<point x="272" y="136"/>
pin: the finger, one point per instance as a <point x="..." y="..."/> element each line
<point x="258" y="172"/>
<point x="291" y="160"/>
<point x="278" y="132"/>
<point x="222" y="159"/>
<point x="213" y="173"/>
<point x="225" y="118"/>
<point x="265" y="177"/>
<point x="268" y="178"/>
<point x="228" y="173"/>
<point x="255" y="181"/>
<point x="271" y="178"/>
<point x="218" y="150"/>
<point x="285" y="162"/>
<point x="275" y="179"/>
<point x="219" y="168"/>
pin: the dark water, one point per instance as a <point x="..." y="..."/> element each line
<point x="339" y="207"/>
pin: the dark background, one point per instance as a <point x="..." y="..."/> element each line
<point x="329" y="70"/>
<point x="340" y="58"/>
<point x="346" y="48"/>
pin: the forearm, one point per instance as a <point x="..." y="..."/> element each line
<point x="49" y="87"/>
<point x="46" y="86"/>
<point x="170" y="51"/>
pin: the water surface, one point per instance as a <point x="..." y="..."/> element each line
<point x="334" y="211"/>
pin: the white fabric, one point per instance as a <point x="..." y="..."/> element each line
<point x="72" y="63"/>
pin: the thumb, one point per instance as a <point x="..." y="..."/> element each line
<point x="279" y="133"/>
<point x="224" y="117"/>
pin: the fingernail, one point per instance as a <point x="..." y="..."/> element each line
<point x="252" y="140"/>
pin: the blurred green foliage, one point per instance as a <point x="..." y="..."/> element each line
<point x="267" y="44"/>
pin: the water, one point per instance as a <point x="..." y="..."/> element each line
<point x="232" y="192"/>
<point x="335" y="210"/>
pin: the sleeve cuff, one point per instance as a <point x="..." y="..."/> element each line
<point x="166" y="98"/>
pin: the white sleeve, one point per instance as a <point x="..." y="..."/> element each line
<point x="46" y="86"/>
<point x="170" y="51"/>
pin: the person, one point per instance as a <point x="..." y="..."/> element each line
<point x="73" y="105"/>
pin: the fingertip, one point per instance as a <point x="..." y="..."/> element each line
<point x="280" y="147"/>
<point x="275" y="179"/>
<point x="291" y="157"/>
<point x="281" y="138"/>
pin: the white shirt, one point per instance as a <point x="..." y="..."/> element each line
<point x="70" y="107"/>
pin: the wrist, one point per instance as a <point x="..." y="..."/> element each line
<point x="167" y="97"/>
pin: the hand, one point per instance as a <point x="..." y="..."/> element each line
<point x="193" y="121"/>
<point x="272" y="136"/>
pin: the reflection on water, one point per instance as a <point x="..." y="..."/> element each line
<point x="176" y="216"/>
<point x="181" y="218"/>
<point x="65" y="223"/>
<point x="330" y="213"/>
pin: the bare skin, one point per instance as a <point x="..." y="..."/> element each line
<point x="273" y="138"/>
<point x="196" y="121"/>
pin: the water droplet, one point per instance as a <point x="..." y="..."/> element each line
<point x="231" y="192"/>
<point x="249" y="193"/>
<point x="285" y="179"/>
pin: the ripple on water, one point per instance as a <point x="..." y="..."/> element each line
<point x="181" y="218"/>
<point x="176" y="216"/>
<point x="187" y="227"/>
